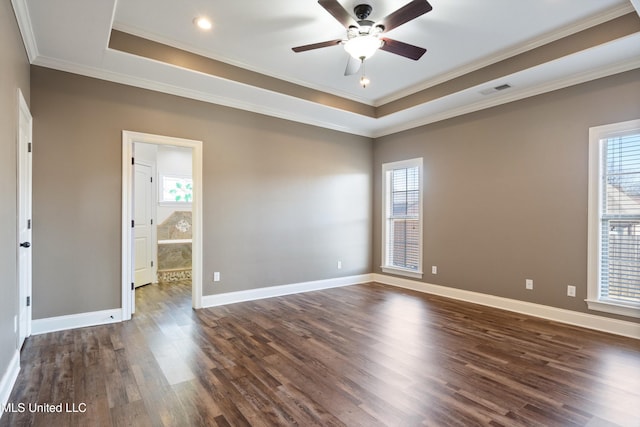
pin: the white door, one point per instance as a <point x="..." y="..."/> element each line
<point x="24" y="221"/>
<point x="143" y="223"/>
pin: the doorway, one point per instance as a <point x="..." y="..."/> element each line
<point x="24" y="148"/>
<point x="129" y="235"/>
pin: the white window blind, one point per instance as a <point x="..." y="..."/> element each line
<point x="403" y="207"/>
<point x="620" y="219"/>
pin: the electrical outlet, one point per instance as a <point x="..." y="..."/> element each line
<point x="216" y="276"/>
<point x="339" y="265"/>
<point x="434" y="269"/>
<point x="528" y="284"/>
<point x="571" y="291"/>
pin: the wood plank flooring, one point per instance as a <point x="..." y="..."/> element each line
<point x="365" y="355"/>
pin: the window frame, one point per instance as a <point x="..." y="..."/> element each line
<point x="595" y="204"/>
<point x="386" y="169"/>
<point x="161" y="199"/>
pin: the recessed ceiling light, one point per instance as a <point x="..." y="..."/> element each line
<point x="203" y="22"/>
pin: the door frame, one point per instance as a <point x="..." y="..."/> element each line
<point x="24" y="154"/>
<point x="128" y="140"/>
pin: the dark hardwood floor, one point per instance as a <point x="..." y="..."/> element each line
<point x="365" y="355"/>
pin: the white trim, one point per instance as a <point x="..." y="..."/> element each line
<point x="371" y="130"/>
<point x="213" y="98"/>
<point x="587" y="23"/>
<point x="128" y="139"/>
<point x="593" y="220"/>
<point x="630" y="310"/>
<point x="510" y="96"/>
<point x="73" y="321"/>
<point x="21" y="11"/>
<point x="387" y="168"/>
<point x="170" y="242"/>
<point x="636" y="5"/>
<point x="594" y="204"/>
<point x="584" y="320"/>
<point x="402" y="272"/>
<point x="9" y="380"/>
<point x="276" y="291"/>
<point x="136" y="31"/>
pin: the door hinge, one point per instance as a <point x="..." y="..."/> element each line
<point x="28" y="147"/>
<point x="132" y="288"/>
<point x="28" y="224"/>
<point x="132" y="224"/>
<point x="28" y="301"/>
<point x="133" y="161"/>
<point x="151" y="178"/>
<point x="151" y="221"/>
<point x="151" y="263"/>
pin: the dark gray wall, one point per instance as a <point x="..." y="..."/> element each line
<point x="505" y="191"/>
<point x="14" y="75"/>
<point x="283" y="202"/>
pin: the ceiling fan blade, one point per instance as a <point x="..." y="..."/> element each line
<point x="403" y="49"/>
<point x="405" y="14"/>
<point x="353" y="65"/>
<point x="316" y="45"/>
<point x="337" y="11"/>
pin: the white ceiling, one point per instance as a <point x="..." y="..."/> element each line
<point x="460" y="36"/>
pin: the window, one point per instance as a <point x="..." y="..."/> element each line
<point x="614" y="219"/>
<point x="176" y="189"/>
<point x="402" y="225"/>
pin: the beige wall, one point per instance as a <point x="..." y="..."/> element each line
<point x="14" y="74"/>
<point x="283" y="202"/>
<point x="505" y="191"/>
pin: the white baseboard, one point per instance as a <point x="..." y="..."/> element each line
<point x="276" y="291"/>
<point x="8" y="380"/>
<point x="72" y="321"/>
<point x="585" y="320"/>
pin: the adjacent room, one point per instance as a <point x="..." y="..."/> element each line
<point x="331" y="213"/>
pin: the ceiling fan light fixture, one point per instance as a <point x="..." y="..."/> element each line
<point x="364" y="80"/>
<point x="362" y="47"/>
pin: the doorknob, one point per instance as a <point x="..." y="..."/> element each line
<point x="25" y="244"/>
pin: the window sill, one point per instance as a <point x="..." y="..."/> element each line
<point x="631" y="310"/>
<point x="173" y="204"/>
<point x="402" y="272"/>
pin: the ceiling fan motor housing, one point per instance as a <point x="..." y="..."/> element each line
<point x="362" y="11"/>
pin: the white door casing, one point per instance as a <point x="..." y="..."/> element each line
<point x="129" y="138"/>
<point x="143" y="224"/>
<point x="24" y="149"/>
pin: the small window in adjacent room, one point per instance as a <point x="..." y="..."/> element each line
<point x="402" y="215"/>
<point x="176" y="189"/>
<point x="614" y="219"/>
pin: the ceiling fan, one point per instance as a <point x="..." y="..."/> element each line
<point x="364" y="37"/>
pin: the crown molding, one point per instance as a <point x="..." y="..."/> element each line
<point x="207" y="54"/>
<point x="21" y="11"/>
<point x="98" y="73"/>
<point x="613" y="13"/>
<point x="636" y="5"/>
<point x="511" y="96"/>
